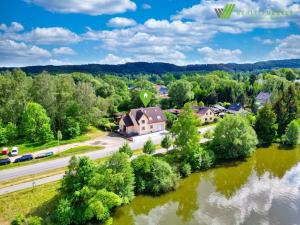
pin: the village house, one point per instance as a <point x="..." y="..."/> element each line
<point x="205" y="114"/>
<point x="262" y="98"/>
<point x="236" y="108"/>
<point x="162" y="91"/>
<point x="142" y="121"/>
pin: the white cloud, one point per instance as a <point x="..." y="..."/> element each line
<point x="121" y="22"/>
<point x="209" y="55"/>
<point x="63" y="51"/>
<point x="14" y="27"/>
<point x="51" y="35"/>
<point x="288" y="48"/>
<point x="266" y="41"/>
<point x="19" y="53"/>
<point x="57" y="62"/>
<point x="114" y="60"/>
<point x="146" y="6"/>
<point x="90" y="7"/>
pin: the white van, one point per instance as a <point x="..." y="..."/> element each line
<point x="14" y="151"/>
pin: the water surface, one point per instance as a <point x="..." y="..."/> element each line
<point x="264" y="189"/>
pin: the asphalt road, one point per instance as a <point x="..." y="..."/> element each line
<point x="137" y="143"/>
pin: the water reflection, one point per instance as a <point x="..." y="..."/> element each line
<point x="265" y="189"/>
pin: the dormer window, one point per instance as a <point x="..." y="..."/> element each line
<point x="158" y="117"/>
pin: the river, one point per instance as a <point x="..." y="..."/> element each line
<point x="264" y="189"/>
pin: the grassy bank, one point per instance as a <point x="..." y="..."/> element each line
<point x="69" y="152"/>
<point x="34" y="147"/>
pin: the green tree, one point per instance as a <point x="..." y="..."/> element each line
<point x="149" y="147"/>
<point x="180" y="91"/>
<point x="153" y="176"/>
<point x="167" y="142"/>
<point x="59" y="136"/>
<point x="64" y="212"/>
<point x="35" y="124"/>
<point x="31" y="220"/>
<point x="185" y="130"/>
<point x="3" y="137"/>
<point x="118" y="177"/>
<point x="171" y="118"/>
<point x="286" y="106"/>
<point x="234" y="138"/>
<point x="126" y="149"/>
<point x="265" y="125"/>
<point x="292" y="134"/>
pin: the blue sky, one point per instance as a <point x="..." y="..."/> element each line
<point x="43" y="32"/>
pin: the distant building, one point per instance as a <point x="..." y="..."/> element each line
<point x="262" y="98"/>
<point x="142" y="121"/>
<point x="174" y="111"/>
<point x="236" y="108"/>
<point x="162" y="91"/>
<point x="205" y="114"/>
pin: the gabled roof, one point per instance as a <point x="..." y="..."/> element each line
<point x="201" y="109"/>
<point x="263" y="96"/>
<point x="235" y="107"/>
<point x="154" y="115"/>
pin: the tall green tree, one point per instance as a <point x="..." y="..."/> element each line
<point x="126" y="149"/>
<point x="292" y="134"/>
<point x="185" y="130"/>
<point x="265" y="125"/>
<point x="149" y="147"/>
<point x="286" y="106"/>
<point x="167" y="142"/>
<point x="180" y="92"/>
<point x="35" y="124"/>
<point x="234" y="138"/>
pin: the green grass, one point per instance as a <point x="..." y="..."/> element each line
<point x="39" y="201"/>
<point x="69" y="152"/>
<point x="34" y="147"/>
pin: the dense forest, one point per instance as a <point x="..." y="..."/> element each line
<point x="35" y="109"/>
<point x="161" y="68"/>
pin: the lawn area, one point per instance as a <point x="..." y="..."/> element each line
<point x="38" y="201"/>
<point x="34" y="147"/>
<point x="69" y="152"/>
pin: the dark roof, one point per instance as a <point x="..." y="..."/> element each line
<point x="263" y="97"/>
<point x="201" y="109"/>
<point x="127" y="120"/>
<point x="236" y="107"/>
<point x="154" y="114"/>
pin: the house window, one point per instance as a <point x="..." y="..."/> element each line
<point x="158" y="117"/>
<point x="210" y="113"/>
<point x="143" y="128"/>
<point x="143" y="121"/>
<point x="151" y="126"/>
<point x="205" y="119"/>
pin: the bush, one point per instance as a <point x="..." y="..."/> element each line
<point x="185" y="169"/>
<point x="292" y="134"/>
<point x="126" y="149"/>
<point x="234" y="138"/>
<point x="31" y="220"/>
<point x="208" y="134"/>
<point x="200" y="159"/>
<point x="166" y="142"/>
<point x="153" y="176"/>
<point x="149" y="147"/>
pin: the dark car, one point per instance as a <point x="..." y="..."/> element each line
<point x="4" y="161"/>
<point x="43" y="155"/>
<point x="24" y="158"/>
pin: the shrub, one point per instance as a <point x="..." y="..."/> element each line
<point x="149" y="147"/>
<point x="126" y="149"/>
<point x="166" y="142"/>
<point x="185" y="169"/>
<point x="31" y="220"/>
<point x="200" y="159"/>
<point x="292" y="134"/>
<point x="153" y="176"/>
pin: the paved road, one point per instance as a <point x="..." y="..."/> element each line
<point x="53" y="164"/>
<point x="58" y="163"/>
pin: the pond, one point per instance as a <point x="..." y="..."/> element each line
<point x="264" y="189"/>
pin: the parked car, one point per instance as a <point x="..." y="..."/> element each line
<point x="5" y="151"/>
<point x="14" y="151"/>
<point x="4" y="161"/>
<point x="43" y="155"/>
<point x="24" y="158"/>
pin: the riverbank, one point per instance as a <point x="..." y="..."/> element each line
<point x="225" y="180"/>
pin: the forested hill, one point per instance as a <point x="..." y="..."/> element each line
<point x="160" y="68"/>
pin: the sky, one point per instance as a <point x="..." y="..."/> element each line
<point x="63" y="32"/>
